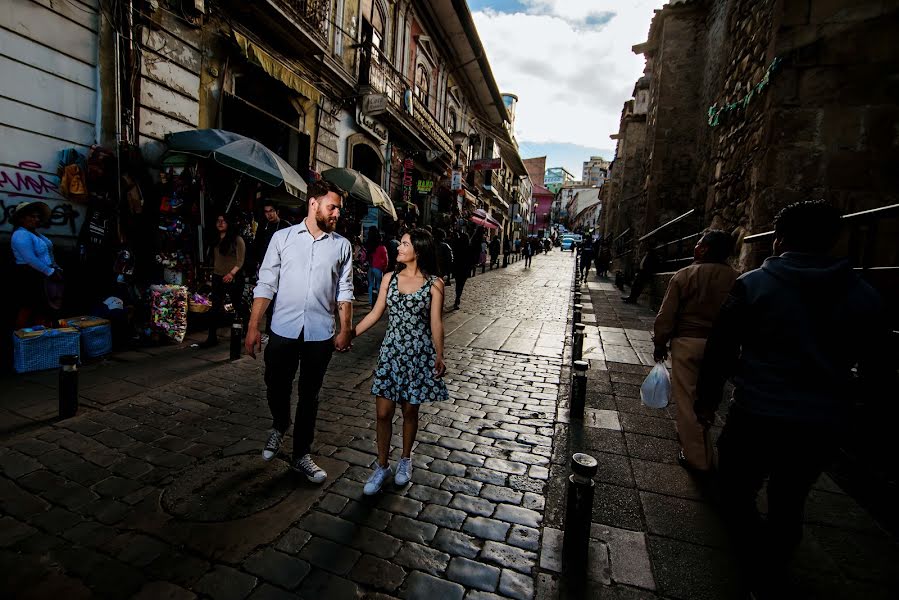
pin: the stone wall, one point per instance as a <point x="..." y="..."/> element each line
<point x="754" y="105"/>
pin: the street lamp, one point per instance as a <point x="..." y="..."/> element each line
<point x="459" y="138"/>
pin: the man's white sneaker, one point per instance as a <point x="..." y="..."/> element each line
<point x="272" y="445"/>
<point x="403" y="472"/>
<point x="376" y="480"/>
<point x="306" y="466"/>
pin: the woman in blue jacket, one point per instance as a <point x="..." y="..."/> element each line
<point x="35" y="265"/>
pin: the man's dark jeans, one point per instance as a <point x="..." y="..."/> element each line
<point x="791" y="455"/>
<point x="282" y="357"/>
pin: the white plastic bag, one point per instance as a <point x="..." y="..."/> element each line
<point x="656" y="388"/>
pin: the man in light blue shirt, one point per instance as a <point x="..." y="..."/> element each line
<point x="310" y="268"/>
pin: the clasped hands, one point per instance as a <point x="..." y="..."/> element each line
<point x="343" y="341"/>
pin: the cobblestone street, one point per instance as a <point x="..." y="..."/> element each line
<point x="163" y="494"/>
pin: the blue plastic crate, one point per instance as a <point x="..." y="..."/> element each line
<point x="96" y="334"/>
<point x="42" y="351"/>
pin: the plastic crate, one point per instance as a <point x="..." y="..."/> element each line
<point x="96" y="334"/>
<point x="41" y="349"/>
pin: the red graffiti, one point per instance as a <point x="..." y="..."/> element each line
<point x="24" y="184"/>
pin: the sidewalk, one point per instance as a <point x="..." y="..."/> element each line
<point x="654" y="525"/>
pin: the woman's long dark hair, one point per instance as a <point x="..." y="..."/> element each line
<point x="227" y="244"/>
<point x="425" y="252"/>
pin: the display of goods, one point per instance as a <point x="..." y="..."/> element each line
<point x="168" y="308"/>
<point x="37" y="348"/>
<point x="199" y="303"/>
<point x="96" y="334"/>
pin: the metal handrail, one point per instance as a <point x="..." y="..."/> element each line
<point x="871" y="213"/>
<point x="683" y="239"/>
<point x="671" y="222"/>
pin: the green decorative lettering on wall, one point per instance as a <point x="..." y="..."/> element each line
<point x="715" y="112"/>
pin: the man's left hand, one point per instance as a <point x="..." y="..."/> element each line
<point x="660" y="354"/>
<point x="343" y="341"/>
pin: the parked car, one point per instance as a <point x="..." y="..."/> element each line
<point x="570" y="241"/>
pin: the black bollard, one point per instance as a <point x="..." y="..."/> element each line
<point x="576" y="318"/>
<point x="578" y="515"/>
<point x="577" y="343"/>
<point x="578" y="389"/>
<point x="68" y="385"/>
<point x="236" y="340"/>
<point x="576" y="297"/>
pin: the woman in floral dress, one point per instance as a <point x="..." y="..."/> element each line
<point x="410" y="365"/>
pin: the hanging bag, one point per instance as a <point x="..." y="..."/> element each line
<point x="656" y="388"/>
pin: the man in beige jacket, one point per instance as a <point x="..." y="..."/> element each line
<point x="694" y="297"/>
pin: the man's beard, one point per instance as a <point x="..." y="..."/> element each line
<point x="324" y="223"/>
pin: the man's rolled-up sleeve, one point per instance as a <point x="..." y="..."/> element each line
<point x="270" y="271"/>
<point x="345" y="283"/>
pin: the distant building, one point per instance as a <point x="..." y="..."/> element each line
<point x="555" y="177"/>
<point x="596" y="171"/>
<point x="536" y="168"/>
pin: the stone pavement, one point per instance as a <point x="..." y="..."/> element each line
<point x="162" y="494"/>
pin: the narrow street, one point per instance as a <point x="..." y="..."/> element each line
<point x="163" y="494"/>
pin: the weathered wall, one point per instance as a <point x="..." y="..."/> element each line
<point x="45" y="46"/>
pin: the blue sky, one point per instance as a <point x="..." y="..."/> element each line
<point x="570" y="63"/>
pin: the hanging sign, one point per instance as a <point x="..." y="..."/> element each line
<point x="374" y="104"/>
<point x="456" y="181"/>
<point x="486" y="164"/>
<point x="424" y="186"/>
<point x="376" y="129"/>
<point x="407" y="180"/>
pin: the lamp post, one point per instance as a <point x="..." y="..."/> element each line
<point x="459" y="138"/>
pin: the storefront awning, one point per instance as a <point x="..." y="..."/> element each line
<point x="276" y="68"/>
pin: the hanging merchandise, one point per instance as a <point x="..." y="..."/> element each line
<point x="71" y="168"/>
<point x="168" y="308"/>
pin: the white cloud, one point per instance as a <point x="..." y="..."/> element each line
<point x="570" y="63"/>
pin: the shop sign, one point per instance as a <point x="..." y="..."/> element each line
<point x="376" y="129"/>
<point x="456" y="181"/>
<point x="374" y="104"/>
<point x="407" y="180"/>
<point x="424" y="186"/>
<point x="486" y="164"/>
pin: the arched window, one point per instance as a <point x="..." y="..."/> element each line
<point x="422" y="84"/>
<point x="452" y="123"/>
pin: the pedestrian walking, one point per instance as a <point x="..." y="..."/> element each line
<point x="586" y="257"/>
<point x="444" y="255"/>
<point x="648" y="266"/>
<point x="392" y="245"/>
<point x="271" y="223"/>
<point x="691" y="305"/>
<point x="310" y="268"/>
<point x="228" y="255"/>
<point x="376" y="254"/>
<point x="528" y="250"/>
<point x="410" y="364"/>
<point x="462" y="263"/>
<point x="494" y="252"/>
<point x="603" y="260"/>
<point x="790" y="333"/>
<point x="507" y="250"/>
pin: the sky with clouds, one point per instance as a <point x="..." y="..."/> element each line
<point x="571" y="65"/>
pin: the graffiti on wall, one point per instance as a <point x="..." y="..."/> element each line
<point x="26" y="183"/>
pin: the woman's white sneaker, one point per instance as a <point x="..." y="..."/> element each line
<point x="403" y="472"/>
<point x="376" y="480"/>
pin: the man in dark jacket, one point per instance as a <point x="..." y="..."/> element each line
<point x="462" y="263"/>
<point x="790" y="334"/>
<point x="648" y="266"/>
<point x="271" y="223"/>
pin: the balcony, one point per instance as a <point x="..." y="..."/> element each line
<point x="314" y="13"/>
<point x="381" y="77"/>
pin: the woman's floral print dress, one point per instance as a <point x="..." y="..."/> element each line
<point x="405" y="371"/>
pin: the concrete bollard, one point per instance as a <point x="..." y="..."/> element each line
<point x="577" y="343"/>
<point x="68" y="386"/>
<point x="578" y="515"/>
<point x="578" y="389"/>
<point x="236" y="340"/>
